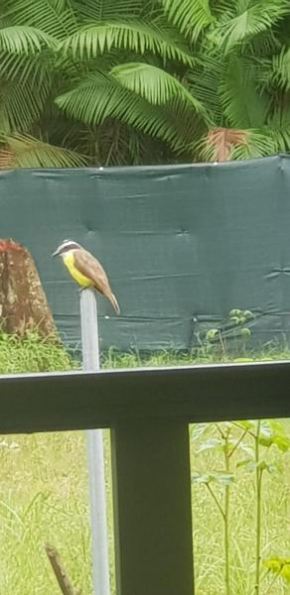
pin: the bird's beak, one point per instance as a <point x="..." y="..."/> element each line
<point x="55" y="253"/>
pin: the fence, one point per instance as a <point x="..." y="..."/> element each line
<point x="182" y="245"/>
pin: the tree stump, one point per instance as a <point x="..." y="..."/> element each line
<point x="23" y="303"/>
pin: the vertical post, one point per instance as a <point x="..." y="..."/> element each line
<point x="97" y="491"/>
<point x="152" y="506"/>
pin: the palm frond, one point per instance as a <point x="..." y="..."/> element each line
<point x="54" y="17"/>
<point x="33" y="70"/>
<point x="243" y="106"/>
<point x="278" y="126"/>
<point x="221" y="144"/>
<point x="204" y="80"/>
<point x="262" y="46"/>
<point x="224" y="10"/>
<point x="26" y="151"/>
<point x="252" y="20"/>
<point x="24" y="40"/>
<point x="141" y="37"/>
<point x="20" y="105"/>
<point x="259" y="144"/>
<point x="154" y="84"/>
<point x="101" y="96"/>
<point x="281" y="68"/>
<point x="218" y="143"/>
<point x="190" y="16"/>
<point x="107" y="10"/>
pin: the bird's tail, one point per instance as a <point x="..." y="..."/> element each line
<point x="114" y="303"/>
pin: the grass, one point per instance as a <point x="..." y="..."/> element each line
<point x="44" y="493"/>
<point x="209" y="526"/>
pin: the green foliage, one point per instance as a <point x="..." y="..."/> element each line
<point x="279" y="566"/>
<point x="230" y="440"/>
<point x="31" y="353"/>
<point x="24" y="151"/>
<point x="190" y="17"/>
<point x="138" y="82"/>
<point x="235" y="329"/>
<point x="141" y="37"/>
<point x="207" y="478"/>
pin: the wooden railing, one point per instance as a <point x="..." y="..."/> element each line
<point x="148" y="411"/>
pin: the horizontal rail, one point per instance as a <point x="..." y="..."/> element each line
<point x="77" y="400"/>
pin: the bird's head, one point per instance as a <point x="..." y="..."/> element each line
<point x="65" y="247"/>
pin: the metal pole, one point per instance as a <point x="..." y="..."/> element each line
<point x="97" y="491"/>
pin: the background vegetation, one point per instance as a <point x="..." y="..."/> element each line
<point x="103" y="82"/>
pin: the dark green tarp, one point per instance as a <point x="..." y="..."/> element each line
<point x="182" y="245"/>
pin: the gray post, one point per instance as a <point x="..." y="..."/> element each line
<point x="90" y="352"/>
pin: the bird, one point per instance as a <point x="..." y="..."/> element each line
<point x="86" y="270"/>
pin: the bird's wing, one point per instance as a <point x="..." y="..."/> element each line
<point x="89" y="266"/>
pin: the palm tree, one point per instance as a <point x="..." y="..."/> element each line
<point x="208" y="79"/>
<point x="107" y="81"/>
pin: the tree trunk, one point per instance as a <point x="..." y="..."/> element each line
<point x="23" y="304"/>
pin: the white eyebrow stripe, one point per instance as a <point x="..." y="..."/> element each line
<point x="69" y="244"/>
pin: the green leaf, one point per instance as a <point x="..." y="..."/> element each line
<point x="141" y="37"/>
<point x="53" y="17"/>
<point x="198" y="430"/>
<point x="279" y="566"/>
<point x="263" y="465"/>
<point x="248" y="463"/>
<point x="96" y="10"/>
<point x="21" y="105"/>
<point x="252" y="465"/>
<point x="190" y="16"/>
<point x="100" y="96"/>
<point x="24" y="40"/>
<point x="248" y="314"/>
<point x="235" y="313"/>
<point x="272" y="434"/>
<point x="215" y="477"/>
<point x="154" y="84"/>
<point x="246" y="424"/>
<point x="243" y="106"/>
<point x="219" y="444"/>
<point x="204" y="82"/>
<point x="212" y="334"/>
<point x="26" y="151"/>
<point x="252" y="20"/>
<point x="36" y="71"/>
<point x="259" y="143"/>
<point x="245" y="332"/>
<point x="242" y="446"/>
<point x="280" y="72"/>
<point x="235" y="319"/>
<point x="215" y="444"/>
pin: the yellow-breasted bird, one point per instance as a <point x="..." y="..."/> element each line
<point x="86" y="270"/>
